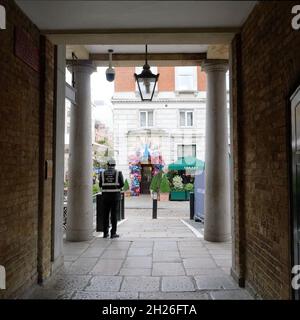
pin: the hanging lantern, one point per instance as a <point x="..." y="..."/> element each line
<point x="146" y="81"/>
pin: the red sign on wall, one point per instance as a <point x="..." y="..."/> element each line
<point x="26" y="50"/>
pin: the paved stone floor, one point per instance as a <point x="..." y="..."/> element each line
<point x="165" y="258"/>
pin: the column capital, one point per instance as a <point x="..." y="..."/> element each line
<point x="215" y="65"/>
<point x="82" y="66"/>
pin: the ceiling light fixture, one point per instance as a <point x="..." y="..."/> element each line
<point x="146" y="81"/>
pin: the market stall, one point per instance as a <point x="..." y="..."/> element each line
<point x="181" y="175"/>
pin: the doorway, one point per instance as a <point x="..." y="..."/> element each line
<point x="146" y="178"/>
<point x="295" y="142"/>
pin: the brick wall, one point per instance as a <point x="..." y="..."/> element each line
<point x="20" y="160"/>
<point x="201" y="79"/>
<point x="124" y="81"/>
<point x="166" y="80"/>
<point x="268" y="72"/>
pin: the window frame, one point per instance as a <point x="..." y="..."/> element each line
<point x="147" y="118"/>
<point x="186" y="118"/>
<point x="186" y="145"/>
<point x="194" y="77"/>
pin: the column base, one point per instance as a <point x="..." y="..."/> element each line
<point x="79" y="235"/>
<point x="217" y="237"/>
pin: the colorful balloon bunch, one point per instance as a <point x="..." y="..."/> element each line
<point x="135" y="177"/>
<point x="157" y="168"/>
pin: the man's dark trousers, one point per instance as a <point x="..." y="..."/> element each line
<point x="110" y="205"/>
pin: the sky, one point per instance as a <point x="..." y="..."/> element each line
<point x="102" y="90"/>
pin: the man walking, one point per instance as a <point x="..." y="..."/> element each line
<point x="111" y="181"/>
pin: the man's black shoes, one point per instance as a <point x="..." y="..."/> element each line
<point x="114" y="236"/>
<point x="105" y="235"/>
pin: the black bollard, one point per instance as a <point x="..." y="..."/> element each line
<point x="192" y="206"/>
<point x="99" y="214"/>
<point x="122" y="205"/>
<point x="154" y="207"/>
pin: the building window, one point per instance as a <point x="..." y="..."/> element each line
<point x="186" y="119"/>
<point x="186" y="78"/>
<point x="184" y="150"/>
<point x="146" y="118"/>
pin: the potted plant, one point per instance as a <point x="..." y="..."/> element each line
<point x="189" y="187"/>
<point x="164" y="189"/>
<point x="126" y="188"/>
<point x="177" y="192"/>
<point x="155" y="184"/>
<point x="96" y="189"/>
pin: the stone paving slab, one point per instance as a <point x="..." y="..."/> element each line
<point x="142" y="244"/>
<point x="81" y="266"/>
<point x="138" y="262"/>
<point x="174" y="296"/>
<point x="89" y="295"/>
<point x="166" y="256"/>
<point x="214" y="283"/>
<point x="70" y="258"/>
<point x="119" y="245"/>
<point x="136" y="252"/>
<point x="50" y="294"/>
<point x="204" y="271"/>
<point x="199" y="263"/>
<point x="109" y="267"/>
<point x="68" y="282"/>
<point x="140" y="284"/>
<point x="177" y="284"/>
<point x="104" y="283"/>
<point x="223" y="262"/>
<point x="114" y="254"/>
<point x="100" y="242"/>
<point x="92" y="252"/>
<point x="192" y="253"/>
<point x="230" y="295"/>
<point x="168" y="269"/>
<point x="135" y="272"/>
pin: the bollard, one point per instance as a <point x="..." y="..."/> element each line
<point x="154" y="206"/>
<point x="99" y="216"/>
<point x="192" y="205"/>
<point x="119" y="210"/>
<point x="122" y="205"/>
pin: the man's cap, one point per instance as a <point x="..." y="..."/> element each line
<point x="111" y="162"/>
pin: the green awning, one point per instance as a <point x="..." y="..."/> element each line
<point x="187" y="163"/>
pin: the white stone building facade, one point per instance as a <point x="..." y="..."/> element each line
<point x="173" y="124"/>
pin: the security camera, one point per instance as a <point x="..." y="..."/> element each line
<point x="110" y="74"/>
<point x="110" y="71"/>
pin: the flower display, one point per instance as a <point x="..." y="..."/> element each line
<point x="177" y="183"/>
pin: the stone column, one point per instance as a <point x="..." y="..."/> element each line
<point x="217" y="191"/>
<point x="80" y="201"/>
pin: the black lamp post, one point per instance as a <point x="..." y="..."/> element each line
<point x="146" y="81"/>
